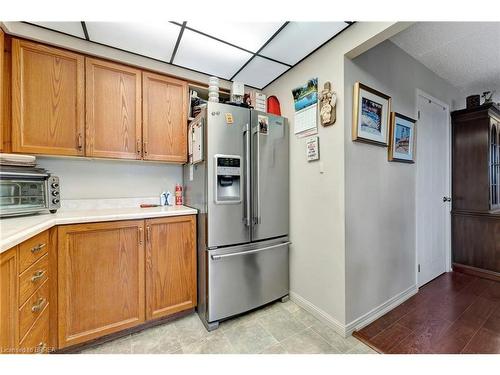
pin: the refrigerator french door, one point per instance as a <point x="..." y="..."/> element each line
<point x="227" y="158"/>
<point x="270" y="176"/>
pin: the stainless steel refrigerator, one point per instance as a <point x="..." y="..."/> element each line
<point x="239" y="183"/>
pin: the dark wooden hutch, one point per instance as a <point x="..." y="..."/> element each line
<point x="476" y="190"/>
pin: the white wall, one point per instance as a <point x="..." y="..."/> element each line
<point x="97" y="178"/>
<point x="379" y="195"/>
<point x="317" y="215"/>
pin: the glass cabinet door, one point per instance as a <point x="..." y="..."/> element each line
<point x="494" y="167"/>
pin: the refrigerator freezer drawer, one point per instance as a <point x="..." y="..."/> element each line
<point x="243" y="278"/>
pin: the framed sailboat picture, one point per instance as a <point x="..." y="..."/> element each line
<point x="402" y="138"/>
<point x="371" y="115"/>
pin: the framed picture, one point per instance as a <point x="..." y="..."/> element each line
<point x="371" y="115"/>
<point x="402" y="138"/>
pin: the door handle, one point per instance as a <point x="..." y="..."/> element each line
<point x="217" y="257"/>
<point x="446" y="199"/>
<point x="256" y="216"/>
<point x="246" y="205"/>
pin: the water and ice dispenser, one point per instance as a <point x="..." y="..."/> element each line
<point x="227" y="179"/>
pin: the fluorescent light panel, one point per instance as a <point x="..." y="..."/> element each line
<point x="248" y="35"/>
<point x="298" y="39"/>
<point x="151" y="39"/>
<point x="208" y="55"/>
<point x="260" y="71"/>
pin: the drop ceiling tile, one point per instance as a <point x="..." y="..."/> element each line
<point x="459" y="52"/>
<point x="151" y="39"/>
<point x="72" y="28"/>
<point x="248" y="35"/>
<point x="298" y="39"/>
<point x="209" y="56"/>
<point x="260" y="71"/>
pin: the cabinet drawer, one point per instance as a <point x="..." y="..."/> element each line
<point x="37" y="339"/>
<point x="33" y="249"/>
<point x="31" y="279"/>
<point x="33" y="308"/>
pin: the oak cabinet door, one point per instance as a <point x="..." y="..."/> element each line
<point x="100" y="279"/>
<point x="2" y="99"/>
<point x="164" y="118"/>
<point x="170" y="265"/>
<point x="113" y="112"/>
<point x="8" y="302"/>
<point x="47" y="100"/>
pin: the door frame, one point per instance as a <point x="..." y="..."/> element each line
<point x="419" y="92"/>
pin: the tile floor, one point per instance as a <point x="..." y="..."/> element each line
<point x="279" y="328"/>
<point x="454" y="313"/>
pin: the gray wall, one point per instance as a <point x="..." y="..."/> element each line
<point x="380" y="196"/>
<point x="98" y="178"/>
<point x="317" y="263"/>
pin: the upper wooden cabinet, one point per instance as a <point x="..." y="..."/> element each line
<point x="164" y="111"/>
<point x="100" y="279"/>
<point x="64" y="103"/>
<point x="113" y="98"/>
<point x="47" y="100"/>
<point x="170" y="265"/>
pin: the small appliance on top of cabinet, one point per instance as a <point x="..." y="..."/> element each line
<point x="240" y="186"/>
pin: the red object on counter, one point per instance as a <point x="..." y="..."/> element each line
<point x="178" y="195"/>
<point x="273" y="105"/>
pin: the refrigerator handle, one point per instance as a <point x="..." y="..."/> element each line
<point x="246" y="204"/>
<point x="256" y="217"/>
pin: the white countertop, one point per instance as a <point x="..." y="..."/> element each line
<point x="15" y="230"/>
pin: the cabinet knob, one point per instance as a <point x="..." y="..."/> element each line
<point x="40" y="348"/>
<point x="39" y="305"/>
<point x="38" y="247"/>
<point x="446" y="199"/>
<point x="37" y="275"/>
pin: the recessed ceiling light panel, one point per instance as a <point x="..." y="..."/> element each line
<point x="151" y="39"/>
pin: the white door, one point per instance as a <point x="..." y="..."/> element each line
<point x="433" y="184"/>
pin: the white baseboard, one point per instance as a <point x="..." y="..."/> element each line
<point x="347" y="330"/>
<point x="318" y="313"/>
<point x="380" y="310"/>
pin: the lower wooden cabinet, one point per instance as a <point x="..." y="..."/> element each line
<point x="170" y="265"/>
<point x="101" y="279"/>
<point x="27" y="315"/>
<point x="9" y="330"/>
<point x="104" y="278"/>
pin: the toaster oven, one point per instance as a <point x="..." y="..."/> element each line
<point x="25" y="191"/>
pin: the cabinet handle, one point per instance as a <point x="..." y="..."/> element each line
<point x="37" y="275"/>
<point x="140" y="236"/>
<point x="148" y="234"/>
<point x="145" y="147"/>
<point x="40" y="348"/>
<point x="80" y="143"/>
<point x="38" y="247"/>
<point x="39" y="305"/>
<point x="139" y="146"/>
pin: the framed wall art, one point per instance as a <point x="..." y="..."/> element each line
<point x="371" y="115"/>
<point x="402" y="138"/>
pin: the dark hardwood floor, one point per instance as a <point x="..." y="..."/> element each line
<point x="454" y="313"/>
